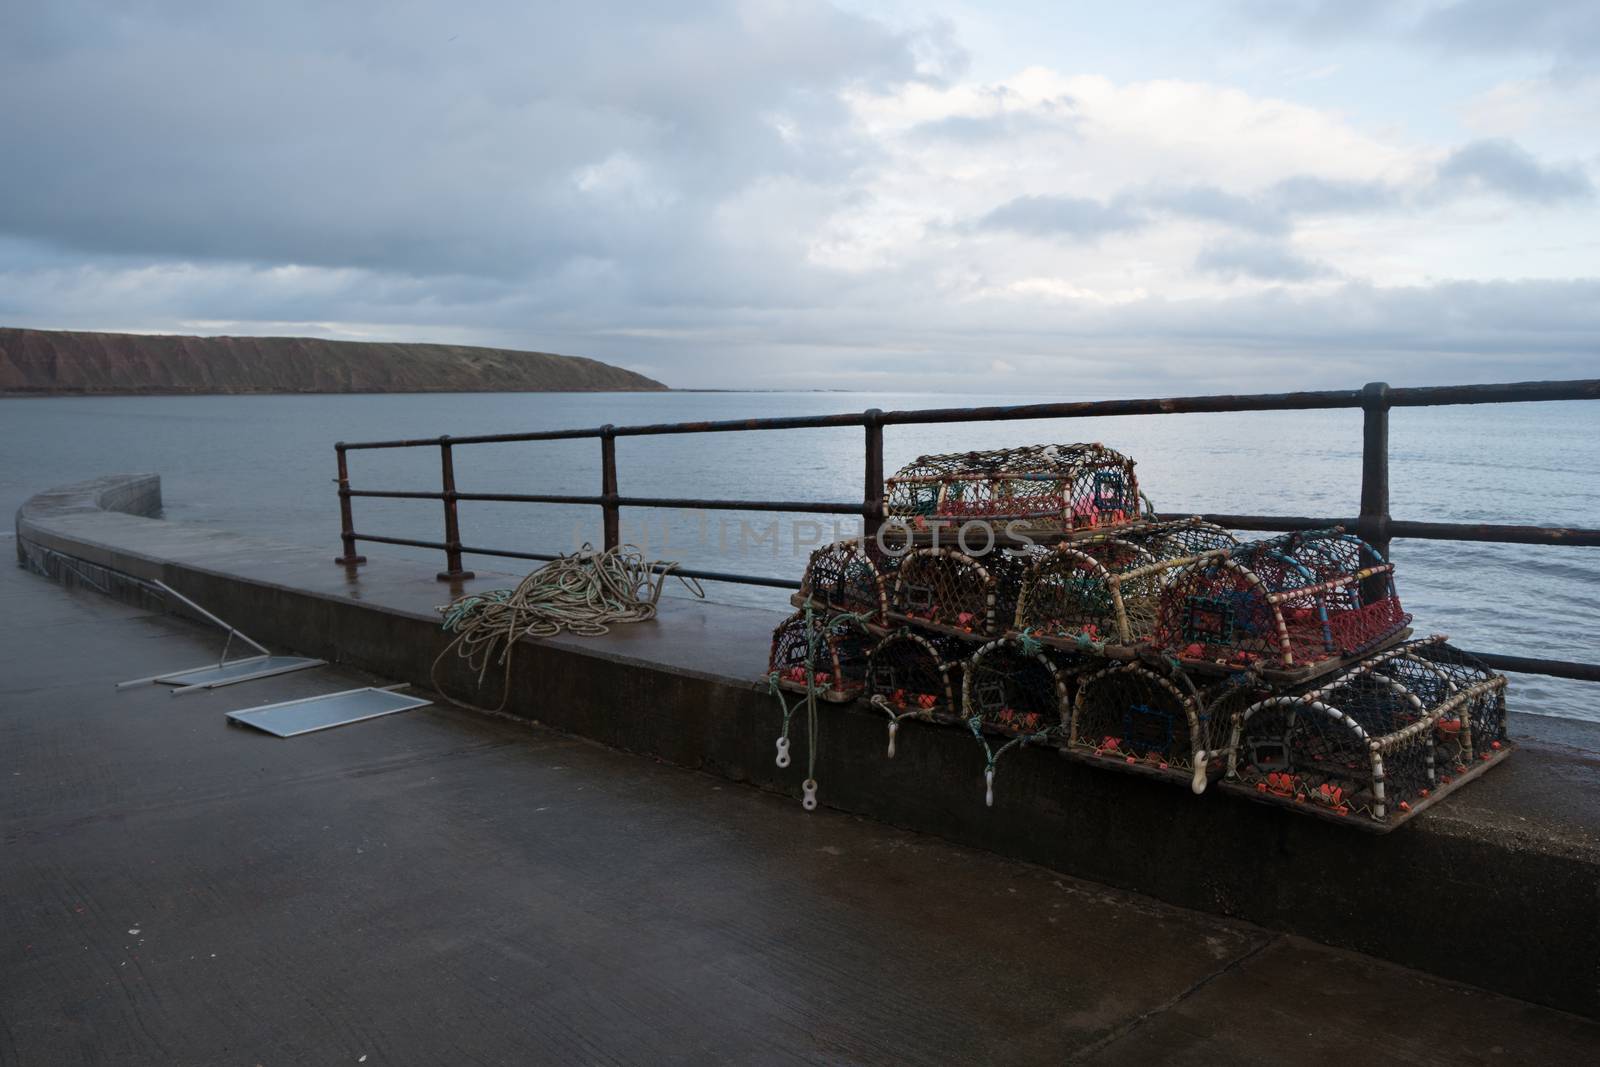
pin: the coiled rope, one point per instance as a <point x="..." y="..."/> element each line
<point x="585" y="593"/>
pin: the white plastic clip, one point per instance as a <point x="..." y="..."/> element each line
<point x="1199" y="783"/>
<point x="809" y="800"/>
<point x="988" y="787"/>
<point x="783" y="752"/>
<point x="894" y="728"/>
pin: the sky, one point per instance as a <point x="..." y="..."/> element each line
<point x="1060" y="198"/>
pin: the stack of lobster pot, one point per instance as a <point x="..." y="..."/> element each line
<point x="1031" y="596"/>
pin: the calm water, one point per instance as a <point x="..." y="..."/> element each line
<point x="265" y="465"/>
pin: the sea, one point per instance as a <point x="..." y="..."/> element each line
<point x="264" y="465"/>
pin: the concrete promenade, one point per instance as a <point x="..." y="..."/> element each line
<point x="439" y="887"/>
<point x="1498" y="886"/>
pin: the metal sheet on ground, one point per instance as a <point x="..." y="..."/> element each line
<point x="295" y="717"/>
<point x="238" y="671"/>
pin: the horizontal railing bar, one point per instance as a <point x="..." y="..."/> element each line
<point x="396" y="494"/>
<point x="1178" y="405"/>
<point x="1553" y="668"/>
<point x="737" y="579"/>
<point x="1503" y="393"/>
<point x="788" y="422"/>
<point x="815" y="507"/>
<point x="505" y="553"/>
<point x="1418" y="396"/>
<point x="413" y="542"/>
<point x="1398" y="528"/>
<point x="706" y="576"/>
<point x="1427" y="531"/>
<point x="477" y="439"/>
<point x="1273" y="523"/>
<point x="818" y="507"/>
<point x="1514" y="392"/>
<point x="1518" y="535"/>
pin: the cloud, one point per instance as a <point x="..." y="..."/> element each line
<point x="1320" y="20"/>
<point x="1503" y="167"/>
<point x="1078" y="218"/>
<point x="1567" y="31"/>
<point x="498" y="139"/>
<point x="1496" y="167"/>
<point x="1304" y="194"/>
<point x="1001" y="115"/>
<point x="1000" y="126"/>
<point x="1266" y="260"/>
<point x="767" y="193"/>
<point x="1211" y="204"/>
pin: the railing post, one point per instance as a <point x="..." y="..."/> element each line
<point x="608" y="487"/>
<point x="453" y="571"/>
<point x="1373" y="524"/>
<point x="347" y="529"/>
<point x="872" y="511"/>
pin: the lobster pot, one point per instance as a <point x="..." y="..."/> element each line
<point x="1130" y="714"/>
<point x="945" y="589"/>
<point x="847" y="576"/>
<point x="1008" y="690"/>
<point x="1044" y="489"/>
<point x="1290" y="604"/>
<point x="917" y="673"/>
<point x="1178" y="538"/>
<point x="831" y="652"/>
<point x="1372" y="744"/>
<point x="1472" y="723"/>
<point x="1100" y="592"/>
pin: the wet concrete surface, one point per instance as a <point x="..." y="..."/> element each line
<point x="1496" y="886"/>
<point x="441" y="887"/>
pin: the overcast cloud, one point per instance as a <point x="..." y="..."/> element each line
<point x="796" y="194"/>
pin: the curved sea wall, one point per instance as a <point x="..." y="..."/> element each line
<point x="1495" y="886"/>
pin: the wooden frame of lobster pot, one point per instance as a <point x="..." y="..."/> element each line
<point x="847" y="576"/>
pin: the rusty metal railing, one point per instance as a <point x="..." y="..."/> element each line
<point x="1374" y="523"/>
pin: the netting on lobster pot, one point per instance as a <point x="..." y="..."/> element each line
<point x="1094" y="594"/>
<point x="1015" y="691"/>
<point x="1045" y="489"/>
<point x="812" y="648"/>
<point x="1132" y="714"/>
<point x="1346" y="587"/>
<point x="1470" y="700"/>
<point x="944" y="588"/>
<point x="1285" y="603"/>
<point x="1009" y="567"/>
<point x="917" y="676"/>
<point x="1178" y="538"/>
<point x="848" y="576"/>
<point x="1366" y="743"/>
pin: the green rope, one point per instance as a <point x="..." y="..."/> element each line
<point x="814" y="637"/>
<point x="1085" y="643"/>
<point x="894" y="720"/>
<point x="992" y="756"/>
